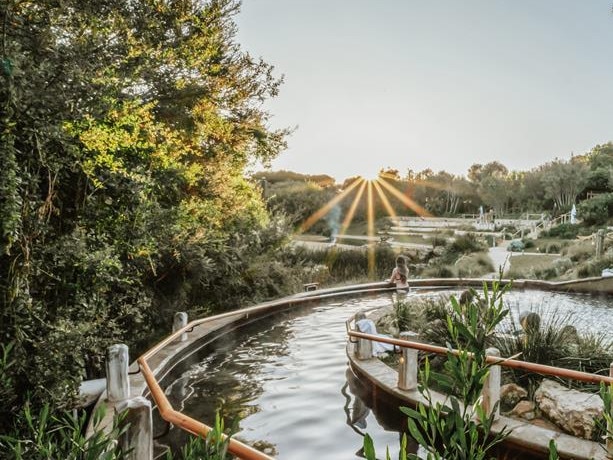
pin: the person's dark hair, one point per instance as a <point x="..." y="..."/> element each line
<point x="401" y="260"/>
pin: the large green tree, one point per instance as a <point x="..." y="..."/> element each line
<point x="126" y="128"/>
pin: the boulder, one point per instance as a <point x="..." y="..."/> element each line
<point x="573" y="411"/>
<point x="525" y="410"/>
<point x="511" y="394"/>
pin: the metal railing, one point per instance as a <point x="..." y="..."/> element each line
<point x="407" y="374"/>
<point x="169" y="414"/>
<point x="195" y="427"/>
<point x="504" y="362"/>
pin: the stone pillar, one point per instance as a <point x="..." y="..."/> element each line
<point x="137" y="441"/>
<point x="610" y="425"/>
<point x="117" y="383"/>
<point x="599" y="243"/>
<point x="491" y="386"/>
<point x="364" y="349"/>
<point x="409" y="364"/>
<point x="180" y="321"/>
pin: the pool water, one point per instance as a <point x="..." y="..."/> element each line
<point x="285" y="380"/>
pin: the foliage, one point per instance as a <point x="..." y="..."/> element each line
<point x="564" y="231"/>
<point x="212" y="447"/>
<point x="563" y="181"/>
<point x="49" y="434"/>
<point x="459" y="427"/>
<point x="462" y="244"/>
<point x="516" y="246"/>
<point x="597" y="210"/>
<point x="449" y="430"/>
<point x="555" y="342"/>
<point x="126" y="130"/>
<point x="345" y="265"/>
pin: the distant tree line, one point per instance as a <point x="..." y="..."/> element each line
<point x="552" y="188"/>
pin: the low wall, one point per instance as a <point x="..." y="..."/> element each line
<point x="199" y="333"/>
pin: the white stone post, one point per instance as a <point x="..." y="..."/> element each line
<point x="610" y="425"/>
<point x="364" y="349"/>
<point x="180" y="321"/>
<point x="409" y="365"/>
<point x="137" y="441"/>
<point x="491" y="386"/>
<point x="117" y="383"/>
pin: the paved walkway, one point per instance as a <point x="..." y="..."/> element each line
<point x="500" y="258"/>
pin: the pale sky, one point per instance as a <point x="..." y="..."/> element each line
<point x="438" y="84"/>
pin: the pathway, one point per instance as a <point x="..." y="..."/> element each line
<point x="500" y="258"/>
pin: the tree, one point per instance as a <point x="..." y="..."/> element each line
<point x="126" y="128"/>
<point x="563" y="181"/>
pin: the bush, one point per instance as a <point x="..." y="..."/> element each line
<point x="61" y="435"/>
<point x="579" y="252"/>
<point x="597" y="210"/>
<point x="563" y="231"/>
<point x="516" y="246"/>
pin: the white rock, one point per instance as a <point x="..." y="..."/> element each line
<point x="573" y="411"/>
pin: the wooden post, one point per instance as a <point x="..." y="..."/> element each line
<point x="610" y="424"/>
<point x="409" y="364"/>
<point x="117" y="383"/>
<point x="491" y="387"/>
<point x="180" y="321"/>
<point x="137" y="441"/>
<point x="599" y="243"/>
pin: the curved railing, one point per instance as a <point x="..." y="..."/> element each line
<point x="245" y="452"/>
<point x="403" y="374"/>
<point x="195" y="427"/>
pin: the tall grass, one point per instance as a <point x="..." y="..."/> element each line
<point x="555" y="342"/>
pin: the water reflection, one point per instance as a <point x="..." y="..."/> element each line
<point x="285" y="379"/>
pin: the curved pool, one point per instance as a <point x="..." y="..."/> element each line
<point x="285" y="379"/>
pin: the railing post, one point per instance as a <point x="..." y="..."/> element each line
<point x="180" y="321"/>
<point x="407" y="371"/>
<point x="117" y="383"/>
<point x="491" y="387"/>
<point x="610" y="424"/>
<point x="364" y="349"/>
<point x="137" y="441"/>
<point x="599" y="243"/>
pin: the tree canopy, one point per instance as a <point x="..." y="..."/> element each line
<point x="126" y="129"/>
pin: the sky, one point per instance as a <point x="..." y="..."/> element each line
<point x="440" y="84"/>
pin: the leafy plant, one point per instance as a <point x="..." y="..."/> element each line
<point x="45" y="435"/>
<point x="449" y="430"/>
<point x="214" y="446"/>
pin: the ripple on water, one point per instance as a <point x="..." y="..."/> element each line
<point x="286" y="378"/>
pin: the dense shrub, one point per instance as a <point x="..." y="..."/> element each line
<point x="516" y="246"/>
<point x="596" y="211"/>
<point x="347" y="264"/>
<point x="563" y="231"/>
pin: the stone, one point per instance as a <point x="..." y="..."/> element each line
<point x="573" y="411"/>
<point x="525" y="410"/>
<point x="511" y="394"/>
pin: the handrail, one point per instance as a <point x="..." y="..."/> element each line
<point x="505" y="362"/>
<point x="169" y="414"/>
<point x="189" y="424"/>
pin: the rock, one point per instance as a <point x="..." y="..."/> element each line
<point x="387" y="325"/>
<point x="525" y="410"/>
<point x="511" y="394"/>
<point x="573" y="411"/>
